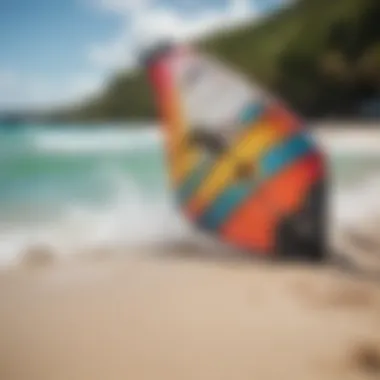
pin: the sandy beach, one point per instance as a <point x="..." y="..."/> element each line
<point x="172" y="316"/>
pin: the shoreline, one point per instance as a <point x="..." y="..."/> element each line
<point x="352" y="141"/>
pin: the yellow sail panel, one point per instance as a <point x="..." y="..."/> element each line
<point x="184" y="162"/>
<point x="255" y="142"/>
<point x="251" y="145"/>
<point x="174" y="124"/>
<point x="182" y="156"/>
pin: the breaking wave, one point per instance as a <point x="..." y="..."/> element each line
<point x="138" y="210"/>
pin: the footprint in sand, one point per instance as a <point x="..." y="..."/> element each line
<point x="337" y="293"/>
<point x="366" y="359"/>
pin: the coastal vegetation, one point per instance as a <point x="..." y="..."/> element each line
<point x="321" y="56"/>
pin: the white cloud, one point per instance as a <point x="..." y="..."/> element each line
<point x="145" y="22"/>
<point x="7" y="79"/>
<point x="19" y="91"/>
<point x="123" y="5"/>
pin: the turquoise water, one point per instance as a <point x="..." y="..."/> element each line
<point x="74" y="186"/>
<point x="42" y="169"/>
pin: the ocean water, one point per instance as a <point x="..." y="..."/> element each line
<point x="73" y="188"/>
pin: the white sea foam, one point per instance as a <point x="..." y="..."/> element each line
<point x="86" y="141"/>
<point x="132" y="218"/>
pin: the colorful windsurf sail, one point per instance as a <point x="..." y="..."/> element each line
<point x="242" y="166"/>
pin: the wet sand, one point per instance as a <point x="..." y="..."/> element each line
<point x="171" y="316"/>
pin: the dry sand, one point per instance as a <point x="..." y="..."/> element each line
<point x="174" y="317"/>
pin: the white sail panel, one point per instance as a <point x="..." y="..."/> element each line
<point x="213" y="97"/>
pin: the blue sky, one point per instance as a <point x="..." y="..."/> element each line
<point x="56" y="51"/>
